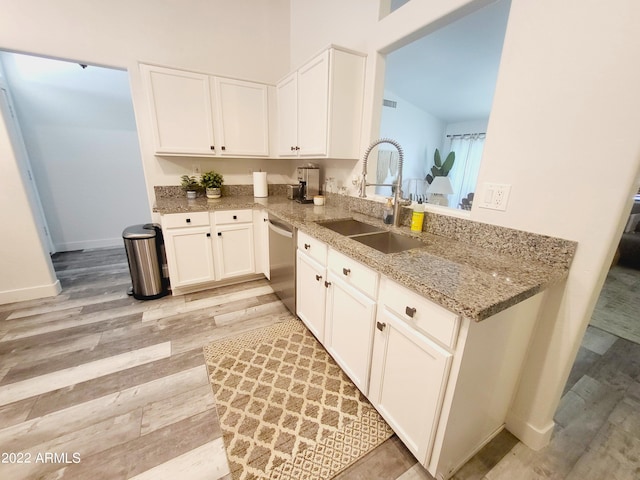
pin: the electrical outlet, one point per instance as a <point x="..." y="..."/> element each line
<point x="195" y="169"/>
<point x="495" y="196"/>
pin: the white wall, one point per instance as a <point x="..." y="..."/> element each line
<point x="26" y="268"/>
<point x="419" y="133"/>
<point x="80" y="133"/>
<point x="564" y="133"/>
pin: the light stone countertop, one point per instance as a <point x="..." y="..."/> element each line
<point x="469" y="280"/>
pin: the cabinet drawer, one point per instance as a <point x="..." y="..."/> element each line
<point x="224" y="217"/>
<point x="191" y="219"/>
<point x="312" y="247"/>
<point x="424" y="315"/>
<point x="354" y="273"/>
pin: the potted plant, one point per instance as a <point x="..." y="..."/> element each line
<point x="190" y="185"/>
<point x="212" y="183"/>
<point x="440" y="168"/>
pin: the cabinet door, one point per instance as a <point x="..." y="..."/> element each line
<point x="181" y="111"/>
<point x="189" y="255"/>
<point x="287" y="99"/>
<point x="261" y="241"/>
<point x="242" y="116"/>
<point x="310" y="294"/>
<point x="349" y="329"/>
<point x="313" y="97"/>
<point x="235" y="255"/>
<point x="408" y="378"/>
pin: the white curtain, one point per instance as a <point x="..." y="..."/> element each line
<point x="464" y="173"/>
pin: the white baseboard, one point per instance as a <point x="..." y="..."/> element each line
<point x="533" y="437"/>
<point x="89" y="244"/>
<point x="31" y="293"/>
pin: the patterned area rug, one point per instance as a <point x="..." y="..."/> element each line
<point x="287" y="411"/>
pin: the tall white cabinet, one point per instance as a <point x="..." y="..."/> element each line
<point x="320" y="106"/>
<point x="203" y="115"/>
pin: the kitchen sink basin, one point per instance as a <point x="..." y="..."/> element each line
<point x="389" y="242"/>
<point x="350" y="227"/>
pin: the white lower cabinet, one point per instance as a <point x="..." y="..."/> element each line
<point x="205" y="247"/>
<point x="189" y="255"/>
<point x="408" y="379"/>
<point x="350" y="317"/>
<point x="233" y="243"/>
<point x="311" y="293"/>
<point x="261" y="242"/>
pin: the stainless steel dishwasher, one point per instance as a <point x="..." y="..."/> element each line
<point x="282" y="261"/>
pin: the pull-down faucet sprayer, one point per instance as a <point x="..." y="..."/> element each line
<point x="397" y="185"/>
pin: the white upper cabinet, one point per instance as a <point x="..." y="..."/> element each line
<point x="202" y="115"/>
<point x="243" y="117"/>
<point x="180" y="110"/>
<point x="287" y="99"/>
<point x="320" y="107"/>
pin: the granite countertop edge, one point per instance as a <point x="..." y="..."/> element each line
<point x="467" y="282"/>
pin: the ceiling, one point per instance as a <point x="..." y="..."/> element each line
<point x="451" y="73"/>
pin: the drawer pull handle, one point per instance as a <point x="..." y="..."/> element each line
<point x="346" y="271"/>
<point x="188" y="220"/>
<point x="410" y="311"/>
<point x="318" y="277"/>
<point x="327" y="284"/>
<point x="381" y="326"/>
<point x="235" y="217"/>
<point x="307" y="246"/>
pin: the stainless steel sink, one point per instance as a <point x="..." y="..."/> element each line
<point x="350" y="227"/>
<point x="389" y="242"/>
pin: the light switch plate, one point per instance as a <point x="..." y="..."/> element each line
<point x="495" y="196"/>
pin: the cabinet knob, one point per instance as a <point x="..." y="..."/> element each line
<point x="188" y="220"/>
<point x="235" y="217"/>
<point x="265" y="219"/>
<point x="208" y="234"/>
<point x="410" y="311"/>
<point x="381" y="326"/>
<point x="293" y="148"/>
<point x="213" y="147"/>
<point x="223" y="147"/>
<point x="307" y="246"/>
<point x="297" y="148"/>
<point x="318" y="277"/>
<point x="219" y="234"/>
<point x="346" y="271"/>
<point x="327" y="284"/>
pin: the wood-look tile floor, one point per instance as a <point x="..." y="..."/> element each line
<point x="95" y="384"/>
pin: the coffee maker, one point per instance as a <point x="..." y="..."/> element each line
<point x="309" y="183"/>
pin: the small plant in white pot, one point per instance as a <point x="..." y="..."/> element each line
<point x="190" y="185"/>
<point x="212" y="183"/>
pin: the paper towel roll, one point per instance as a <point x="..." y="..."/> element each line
<point x="260" y="188"/>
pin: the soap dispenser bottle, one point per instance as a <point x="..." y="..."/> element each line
<point x="417" y="217"/>
<point x="387" y="213"/>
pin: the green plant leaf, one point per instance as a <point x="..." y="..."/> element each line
<point x="437" y="160"/>
<point x="448" y="163"/>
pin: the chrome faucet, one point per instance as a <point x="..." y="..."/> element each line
<point x="397" y="185"/>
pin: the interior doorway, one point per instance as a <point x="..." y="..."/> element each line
<point x="81" y="140"/>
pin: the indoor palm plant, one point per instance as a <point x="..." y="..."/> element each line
<point x="212" y="183"/>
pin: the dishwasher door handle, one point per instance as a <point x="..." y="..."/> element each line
<point x="280" y="231"/>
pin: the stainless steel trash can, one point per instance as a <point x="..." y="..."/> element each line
<point x="143" y="244"/>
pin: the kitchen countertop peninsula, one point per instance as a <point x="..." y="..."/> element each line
<point x="467" y="278"/>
